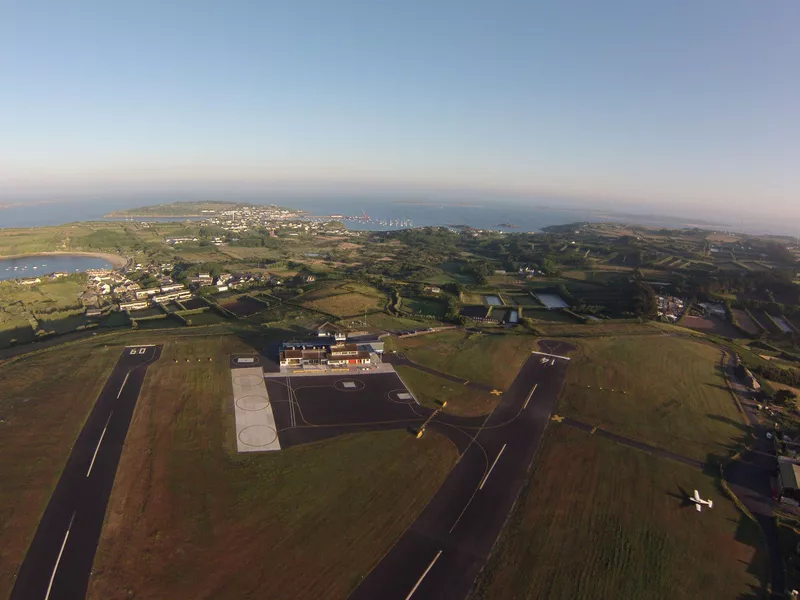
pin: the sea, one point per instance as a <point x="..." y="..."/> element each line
<point x="38" y="265"/>
<point x="392" y="213"/>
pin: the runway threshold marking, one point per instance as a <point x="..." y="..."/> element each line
<point x="499" y="454"/>
<point x="124" y="381"/>
<point x="419" y="581"/>
<point x="100" y="441"/>
<point x="58" y="560"/>
<point x="553" y="355"/>
<point x="524" y="406"/>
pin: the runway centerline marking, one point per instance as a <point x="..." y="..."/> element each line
<point x="499" y="454"/>
<point x="100" y="441"/>
<point x="124" y="381"/>
<point x="419" y="581"/>
<point x="524" y="406"/>
<point x="58" y="560"/>
<point x="553" y="355"/>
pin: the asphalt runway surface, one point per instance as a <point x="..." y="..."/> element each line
<point x="442" y="552"/>
<point x="58" y="563"/>
<point x="308" y="409"/>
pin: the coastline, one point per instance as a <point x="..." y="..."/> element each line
<point x="116" y="260"/>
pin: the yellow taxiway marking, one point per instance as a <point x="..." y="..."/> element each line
<point x="557" y="418"/>
<point x="594" y="429"/>
<point x="495" y="392"/>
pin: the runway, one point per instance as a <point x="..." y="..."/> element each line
<point x="59" y="560"/>
<point x="442" y="552"/>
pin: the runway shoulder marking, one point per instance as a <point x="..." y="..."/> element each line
<point x="58" y="560"/>
<point x="524" y="406"/>
<point x="419" y="581"/>
<point x="486" y="477"/>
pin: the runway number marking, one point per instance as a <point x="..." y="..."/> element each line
<point x="480" y="487"/>
<point x="419" y="581"/>
<point x="138" y="350"/>
<point x="524" y="406"/>
<point x="96" y="450"/>
<point x="58" y="560"/>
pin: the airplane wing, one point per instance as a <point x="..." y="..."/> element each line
<point x="698" y="507"/>
<point x="696" y="496"/>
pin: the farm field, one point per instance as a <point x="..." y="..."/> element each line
<point x="712" y="325"/>
<point x="461" y="400"/>
<point x="549" y="316"/>
<point x="44" y="402"/>
<point x="764" y="319"/>
<point x="601" y="520"/>
<point x="425" y="306"/>
<point x="745" y="322"/>
<point x="491" y="359"/>
<point x="308" y="522"/>
<point x="344" y="300"/>
<point x="243" y="305"/>
<point x="675" y="393"/>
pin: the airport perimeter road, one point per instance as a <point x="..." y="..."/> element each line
<point x="442" y="552"/>
<point x="59" y="561"/>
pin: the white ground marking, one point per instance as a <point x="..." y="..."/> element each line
<point x="524" y="406"/>
<point x="430" y="566"/>
<point x="553" y="355"/>
<point x="349" y="384"/>
<point x="480" y="487"/>
<point x="124" y="381"/>
<point x="58" y="560"/>
<point x="255" y="423"/>
<point x="100" y="441"/>
<point x="404" y="396"/>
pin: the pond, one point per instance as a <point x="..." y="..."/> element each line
<point x="39" y="265"/>
<point x="492" y="300"/>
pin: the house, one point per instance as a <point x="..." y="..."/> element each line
<point x="94" y="312"/>
<point x="33" y="281"/>
<point x="329" y="329"/>
<point x="141" y="294"/>
<point x="433" y="289"/>
<point x="178" y="295"/>
<point x="222" y="288"/>
<point x="171" y="287"/>
<point x="788" y="481"/>
<point x="135" y="305"/>
<point x="309" y="278"/>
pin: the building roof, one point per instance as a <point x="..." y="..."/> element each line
<point x="790" y="474"/>
<point x="344" y="348"/>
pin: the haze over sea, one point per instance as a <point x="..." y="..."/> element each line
<point x="486" y="213"/>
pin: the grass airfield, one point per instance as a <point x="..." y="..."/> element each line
<point x="189" y="517"/>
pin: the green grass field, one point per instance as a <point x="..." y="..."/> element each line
<point x="461" y="400"/>
<point x="676" y="396"/>
<point x="600" y="520"/>
<point x="344" y="300"/>
<point x="191" y="518"/>
<point x="491" y="359"/>
<point x="433" y="307"/>
<point x="44" y="402"/>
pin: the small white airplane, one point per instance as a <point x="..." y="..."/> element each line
<point x="698" y="501"/>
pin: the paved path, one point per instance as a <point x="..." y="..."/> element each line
<point x="441" y="553"/>
<point x="749" y="477"/>
<point x="654" y="450"/>
<point x="59" y="561"/>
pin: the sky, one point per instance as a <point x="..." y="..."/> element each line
<point x="673" y="104"/>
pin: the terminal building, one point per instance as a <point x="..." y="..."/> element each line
<point x="322" y="352"/>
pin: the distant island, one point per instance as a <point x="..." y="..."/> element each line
<point x="509" y="225"/>
<point x="189" y="210"/>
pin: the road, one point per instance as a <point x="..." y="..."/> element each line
<point x="749" y="477"/>
<point x="59" y="560"/>
<point x="442" y="552"/>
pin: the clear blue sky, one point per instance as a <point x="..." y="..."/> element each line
<point x="686" y="100"/>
